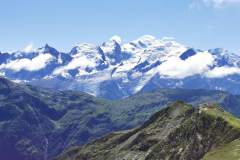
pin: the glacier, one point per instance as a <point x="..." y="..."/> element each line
<point x="117" y="69"/>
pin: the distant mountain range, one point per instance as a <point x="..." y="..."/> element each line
<point x="38" y="123"/>
<point x="178" y="132"/>
<point x="117" y="69"/>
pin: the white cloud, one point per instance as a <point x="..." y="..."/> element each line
<point x="198" y="64"/>
<point x="220" y="72"/>
<point x="220" y="3"/>
<point x="29" y="48"/>
<point x="34" y="64"/>
<point x="177" y="68"/>
<point x="198" y="4"/>
<point x="77" y="63"/>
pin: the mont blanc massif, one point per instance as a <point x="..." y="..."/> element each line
<point x="115" y="70"/>
<point x="147" y="99"/>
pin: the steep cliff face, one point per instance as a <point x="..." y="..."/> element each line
<point x="176" y="132"/>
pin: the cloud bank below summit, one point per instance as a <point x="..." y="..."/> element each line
<point x="199" y="64"/>
<point x="86" y="57"/>
<point x="34" y="64"/>
<point x="220" y="72"/>
<point x="177" y="68"/>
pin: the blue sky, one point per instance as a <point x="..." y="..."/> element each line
<point x="63" y="23"/>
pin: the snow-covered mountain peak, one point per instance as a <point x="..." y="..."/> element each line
<point x="44" y="48"/>
<point x="146" y="39"/>
<point x="116" y="38"/>
<point x="124" y="67"/>
<point x="112" y="50"/>
<point x="152" y="49"/>
<point x="225" y="58"/>
<point x="83" y="48"/>
<point x="85" y="59"/>
<point x="47" y="49"/>
<point x="110" y="46"/>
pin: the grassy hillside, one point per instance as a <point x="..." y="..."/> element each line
<point x="176" y="132"/>
<point x="216" y="111"/>
<point x="230" y="151"/>
<point x="37" y="123"/>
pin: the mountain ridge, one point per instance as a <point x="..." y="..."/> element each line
<point x="176" y="132"/>
<point x="126" y="67"/>
<point x="38" y="122"/>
